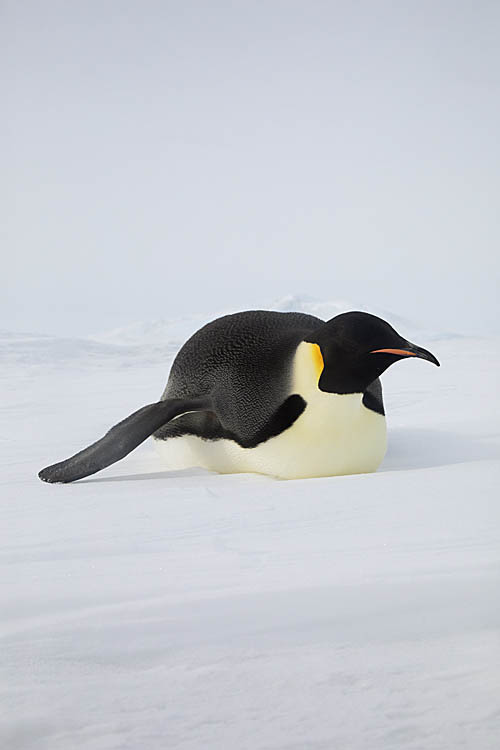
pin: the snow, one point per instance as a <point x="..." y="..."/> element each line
<point x="176" y="331"/>
<point x="150" y="609"/>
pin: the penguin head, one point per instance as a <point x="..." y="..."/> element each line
<point x="357" y="348"/>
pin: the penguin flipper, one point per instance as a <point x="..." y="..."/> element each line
<point x="122" y="439"/>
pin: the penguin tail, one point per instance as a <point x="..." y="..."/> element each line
<point x="121" y="439"/>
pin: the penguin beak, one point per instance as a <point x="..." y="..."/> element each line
<point x="409" y="350"/>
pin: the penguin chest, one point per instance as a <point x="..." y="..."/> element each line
<point x="336" y="434"/>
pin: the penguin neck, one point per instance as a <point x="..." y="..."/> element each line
<point x="307" y="371"/>
<point x="337" y="430"/>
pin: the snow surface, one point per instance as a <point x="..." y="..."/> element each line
<point x="150" y="609"/>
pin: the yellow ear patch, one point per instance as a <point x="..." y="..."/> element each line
<point x="317" y="358"/>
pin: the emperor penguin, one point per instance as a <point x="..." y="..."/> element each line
<point x="284" y="394"/>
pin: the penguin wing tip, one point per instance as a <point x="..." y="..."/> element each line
<point x="44" y="475"/>
<point x="49" y="476"/>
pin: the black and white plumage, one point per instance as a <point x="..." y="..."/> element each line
<point x="284" y="394"/>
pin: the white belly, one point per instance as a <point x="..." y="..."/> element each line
<point x="334" y="435"/>
<point x="345" y="440"/>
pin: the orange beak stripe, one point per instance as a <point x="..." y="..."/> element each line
<point x="401" y="352"/>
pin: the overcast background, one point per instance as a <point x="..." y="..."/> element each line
<point x="166" y="157"/>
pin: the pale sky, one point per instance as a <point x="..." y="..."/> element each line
<point x="163" y="157"/>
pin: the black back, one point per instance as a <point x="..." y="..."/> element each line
<point x="244" y="361"/>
